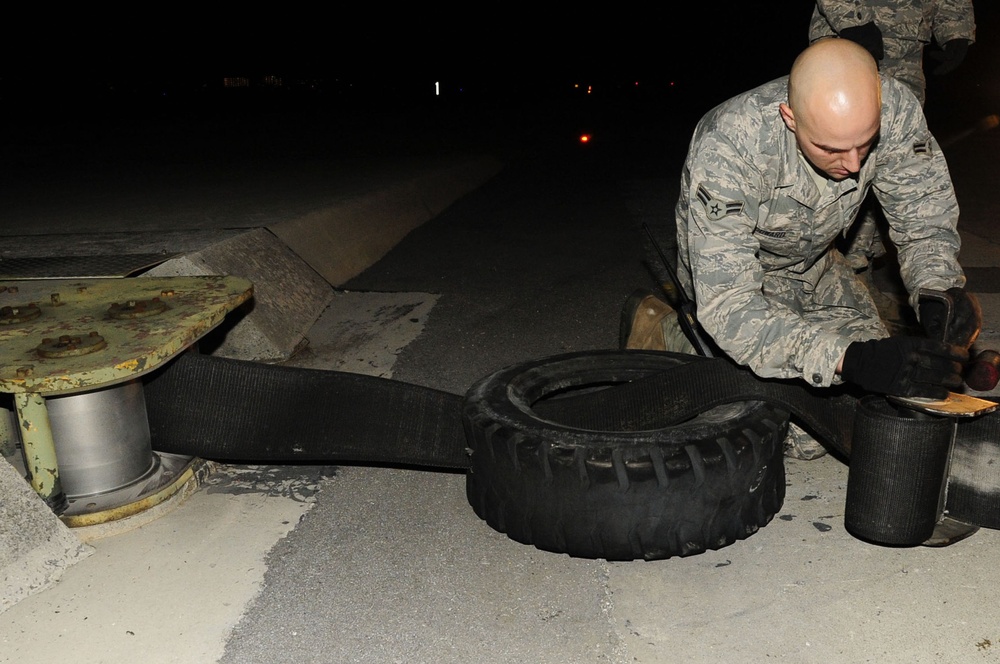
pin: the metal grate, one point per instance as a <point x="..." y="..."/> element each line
<point x="71" y="267"/>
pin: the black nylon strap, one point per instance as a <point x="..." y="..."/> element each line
<point x="247" y="412"/>
<point x="250" y="412"/>
<point x="699" y="384"/>
<point x="973" y="492"/>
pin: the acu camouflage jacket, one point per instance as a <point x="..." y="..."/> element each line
<point x="750" y="213"/>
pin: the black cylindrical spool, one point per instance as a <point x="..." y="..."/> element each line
<point x="897" y="469"/>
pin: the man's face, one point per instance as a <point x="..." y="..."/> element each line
<point x="838" y="152"/>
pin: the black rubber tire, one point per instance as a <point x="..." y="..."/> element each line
<point x="617" y="494"/>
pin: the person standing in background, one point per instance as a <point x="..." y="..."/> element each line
<point x="896" y="33"/>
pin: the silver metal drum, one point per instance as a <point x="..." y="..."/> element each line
<point x="101" y="438"/>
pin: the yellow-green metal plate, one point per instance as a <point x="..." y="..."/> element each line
<point x="95" y="332"/>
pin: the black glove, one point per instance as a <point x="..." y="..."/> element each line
<point x="950" y="56"/>
<point x="905" y="366"/>
<point x="966" y="316"/>
<point x="869" y="36"/>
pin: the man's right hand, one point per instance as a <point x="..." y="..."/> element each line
<point x="869" y="36"/>
<point x="963" y="324"/>
<point x="905" y="366"/>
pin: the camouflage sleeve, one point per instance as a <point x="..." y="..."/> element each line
<point x="842" y="14"/>
<point x="916" y="193"/>
<point x="720" y="200"/>
<point x="954" y="19"/>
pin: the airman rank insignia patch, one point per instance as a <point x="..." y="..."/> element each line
<point x="921" y="147"/>
<point x="717" y="209"/>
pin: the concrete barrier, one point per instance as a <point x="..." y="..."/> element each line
<point x="295" y="264"/>
<point x="35" y="546"/>
<point x="342" y="241"/>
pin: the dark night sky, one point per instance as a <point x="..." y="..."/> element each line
<point x="711" y="48"/>
<point x="500" y="41"/>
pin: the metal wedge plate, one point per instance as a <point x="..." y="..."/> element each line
<point x="955" y="405"/>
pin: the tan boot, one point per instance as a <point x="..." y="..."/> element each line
<point x="641" y="321"/>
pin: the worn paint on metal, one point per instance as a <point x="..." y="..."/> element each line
<point x="39" y="447"/>
<point x="43" y="355"/>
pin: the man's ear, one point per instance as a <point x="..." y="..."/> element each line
<point x="787" y="116"/>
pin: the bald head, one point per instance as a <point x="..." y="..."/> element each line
<point x="834" y="80"/>
<point x="834" y="102"/>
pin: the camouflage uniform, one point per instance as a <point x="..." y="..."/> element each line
<point x="907" y="27"/>
<point x="757" y="232"/>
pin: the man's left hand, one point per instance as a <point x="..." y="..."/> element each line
<point x="966" y="316"/>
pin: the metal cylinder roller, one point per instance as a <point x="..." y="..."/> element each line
<point x="102" y="438"/>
